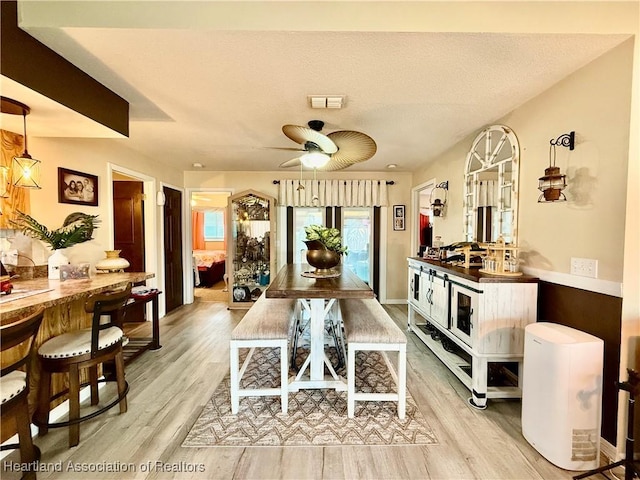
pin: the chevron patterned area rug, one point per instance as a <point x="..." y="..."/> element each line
<point x="315" y="417"/>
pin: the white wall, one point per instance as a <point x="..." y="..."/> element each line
<point x="91" y="156"/>
<point x="595" y="102"/>
<point x="600" y="220"/>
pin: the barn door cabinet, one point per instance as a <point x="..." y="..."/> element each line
<point x="251" y="248"/>
<point x="482" y="316"/>
<point x="428" y="290"/>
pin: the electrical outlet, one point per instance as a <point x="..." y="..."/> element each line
<point x="584" y="267"/>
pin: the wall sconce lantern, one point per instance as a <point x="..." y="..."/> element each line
<point x="437" y="203"/>
<point x="25" y="170"/>
<point x="553" y="182"/>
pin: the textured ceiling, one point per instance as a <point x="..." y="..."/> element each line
<point x="220" y="97"/>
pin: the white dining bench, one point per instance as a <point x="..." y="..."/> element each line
<point x="368" y="327"/>
<point x="266" y="324"/>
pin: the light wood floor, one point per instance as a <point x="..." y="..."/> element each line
<point x="169" y="388"/>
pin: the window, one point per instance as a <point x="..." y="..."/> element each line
<point x="356" y="235"/>
<point x="302" y="218"/>
<point x="214" y="225"/>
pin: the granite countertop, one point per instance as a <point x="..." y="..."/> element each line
<point x="28" y="295"/>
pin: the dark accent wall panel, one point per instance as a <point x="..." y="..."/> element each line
<point x="329" y="217"/>
<point x="376" y="251"/>
<point x="34" y="65"/>
<point x="597" y="314"/>
<point x="290" y="235"/>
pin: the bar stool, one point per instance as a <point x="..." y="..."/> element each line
<point x="14" y="384"/>
<point x="87" y="348"/>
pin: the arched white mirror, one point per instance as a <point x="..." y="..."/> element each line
<point x="491" y="186"/>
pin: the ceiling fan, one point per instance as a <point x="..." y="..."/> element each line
<point x="334" y="151"/>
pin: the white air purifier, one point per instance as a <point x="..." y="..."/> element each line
<point x="562" y="394"/>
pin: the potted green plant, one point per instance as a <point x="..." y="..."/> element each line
<point x="77" y="228"/>
<point x="324" y="247"/>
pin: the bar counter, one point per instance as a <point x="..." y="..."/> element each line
<point x="60" y="292"/>
<point x="64" y="312"/>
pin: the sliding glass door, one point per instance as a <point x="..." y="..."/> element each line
<point x="357" y="236"/>
<point x="303" y="217"/>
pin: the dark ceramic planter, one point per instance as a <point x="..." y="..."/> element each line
<point x="321" y="258"/>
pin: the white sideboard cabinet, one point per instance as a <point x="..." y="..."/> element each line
<point x="471" y="320"/>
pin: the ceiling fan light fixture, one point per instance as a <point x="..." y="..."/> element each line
<point x="315" y="159"/>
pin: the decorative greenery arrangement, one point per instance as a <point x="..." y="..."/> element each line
<point x="329" y="237"/>
<point x="78" y="227"/>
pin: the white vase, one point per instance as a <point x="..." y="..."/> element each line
<point x="113" y="263"/>
<point x="56" y="259"/>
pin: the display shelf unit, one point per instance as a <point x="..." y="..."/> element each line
<point x="251" y="259"/>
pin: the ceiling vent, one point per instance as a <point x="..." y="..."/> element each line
<point x="326" y="101"/>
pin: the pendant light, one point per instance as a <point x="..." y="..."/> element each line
<point x="25" y="170"/>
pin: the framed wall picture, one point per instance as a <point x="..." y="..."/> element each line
<point x="77" y="187"/>
<point x="398" y="217"/>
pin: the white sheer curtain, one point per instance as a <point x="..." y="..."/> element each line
<point x="488" y="194"/>
<point x="333" y="193"/>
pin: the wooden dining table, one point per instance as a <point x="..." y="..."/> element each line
<point x="319" y="297"/>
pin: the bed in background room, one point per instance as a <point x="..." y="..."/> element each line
<point x="209" y="266"/>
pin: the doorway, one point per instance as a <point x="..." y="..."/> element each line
<point x="150" y="258"/>
<point x="128" y="216"/>
<point x="422" y="233"/>
<point x="128" y="232"/>
<point x="208" y="244"/>
<point x="173" y="265"/>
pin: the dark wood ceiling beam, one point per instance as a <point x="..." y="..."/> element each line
<point x="34" y="65"/>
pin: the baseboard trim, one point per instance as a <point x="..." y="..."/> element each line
<point x="395" y="301"/>
<point x="608" y="450"/>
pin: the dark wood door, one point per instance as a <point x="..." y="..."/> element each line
<point x="128" y="218"/>
<point x="173" y="249"/>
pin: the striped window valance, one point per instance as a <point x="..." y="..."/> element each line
<point x="488" y="193"/>
<point x="333" y="193"/>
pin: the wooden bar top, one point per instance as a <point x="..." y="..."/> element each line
<point x="289" y="283"/>
<point x="56" y="292"/>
